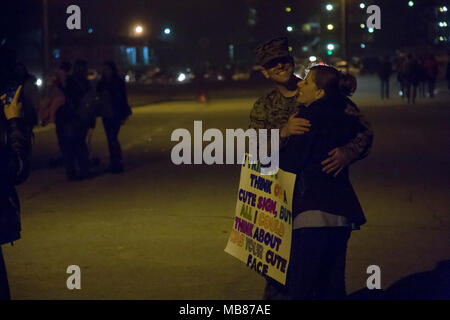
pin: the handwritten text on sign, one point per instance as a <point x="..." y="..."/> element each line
<point x="262" y="228"/>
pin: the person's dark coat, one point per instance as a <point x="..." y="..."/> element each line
<point x="113" y="99"/>
<point x="385" y="70"/>
<point x="331" y="127"/>
<point x="14" y="169"/>
<point x="78" y="112"/>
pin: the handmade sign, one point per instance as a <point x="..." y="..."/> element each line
<point x="262" y="226"/>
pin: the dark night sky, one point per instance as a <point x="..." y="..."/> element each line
<point x="220" y="21"/>
<point x="188" y="18"/>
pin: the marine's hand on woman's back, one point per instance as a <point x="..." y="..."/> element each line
<point x="336" y="161"/>
<point x="295" y="126"/>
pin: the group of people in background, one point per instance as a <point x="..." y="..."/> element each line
<point x="72" y="103"/>
<point x="416" y="74"/>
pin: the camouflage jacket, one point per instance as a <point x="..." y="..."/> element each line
<point x="273" y="110"/>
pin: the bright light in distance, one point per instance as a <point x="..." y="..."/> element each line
<point x="443" y="9"/>
<point x="363" y="45"/>
<point x="371" y="30"/>
<point x="362" y="25"/>
<point x="330" y="27"/>
<point x="288" y="9"/>
<point x="289" y="28"/>
<point x="362" y="5"/>
<point x="411" y="3"/>
<point x="181" y="77"/>
<point x="127" y="78"/>
<point x="313" y="59"/>
<point x="330" y="46"/>
<point x="139" y="29"/>
<point x="329" y="7"/>
<point x="167" y="31"/>
<point x="39" y="82"/>
<point x="442" y="24"/>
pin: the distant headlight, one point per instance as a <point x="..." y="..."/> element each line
<point x="181" y="77"/>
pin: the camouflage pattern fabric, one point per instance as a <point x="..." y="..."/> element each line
<point x="272" y="49"/>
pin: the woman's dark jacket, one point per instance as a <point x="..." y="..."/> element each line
<point x="113" y="98"/>
<point x="331" y="127"/>
<point x="14" y="168"/>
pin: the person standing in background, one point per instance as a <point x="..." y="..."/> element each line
<point x="384" y="73"/>
<point x="29" y="95"/>
<point x="114" y="110"/>
<point x="431" y="73"/>
<point x="448" y="74"/>
<point x="73" y="120"/>
<point x="14" y="168"/>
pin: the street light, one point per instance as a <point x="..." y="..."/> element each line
<point x="329" y="7"/>
<point x="289" y="28"/>
<point x="138" y="29"/>
<point x="330" y="27"/>
<point x="167" y="31"/>
<point x="411" y="3"/>
<point x="362" y="5"/>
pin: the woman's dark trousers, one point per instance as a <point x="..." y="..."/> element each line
<point x="72" y="143"/>
<point x="112" y="127"/>
<point x="317" y="265"/>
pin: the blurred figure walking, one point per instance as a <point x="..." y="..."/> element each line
<point x="384" y="73"/>
<point x="54" y="99"/>
<point x="401" y="68"/>
<point x="431" y="73"/>
<point x="412" y="78"/>
<point x="73" y="120"/>
<point x="114" y="110"/>
<point x="448" y="75"/>
<point x="29" y="96"/>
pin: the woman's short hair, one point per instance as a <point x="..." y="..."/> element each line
<point x="332" y="81"/>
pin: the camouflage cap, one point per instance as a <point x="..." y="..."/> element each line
<point x="271" y="49"/>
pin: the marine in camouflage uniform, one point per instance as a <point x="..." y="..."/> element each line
<point x="272" y="111"/>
